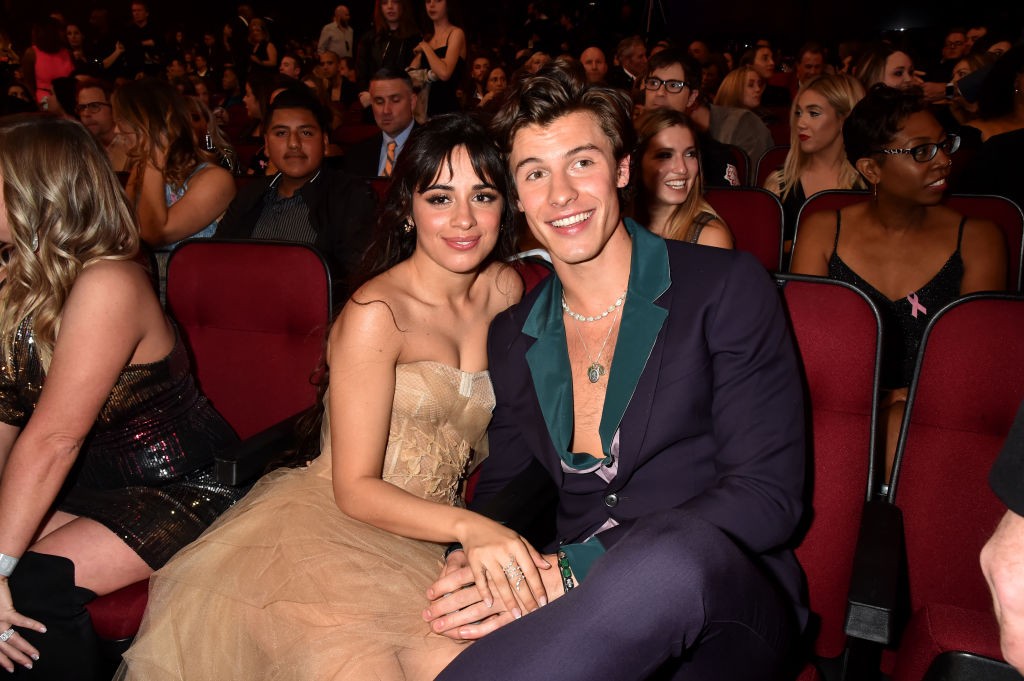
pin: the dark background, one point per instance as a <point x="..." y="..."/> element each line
<point x="729" y="23"/>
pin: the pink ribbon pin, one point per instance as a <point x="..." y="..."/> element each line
<point x="915" y="306"/>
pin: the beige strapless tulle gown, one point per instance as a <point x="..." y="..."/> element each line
<point x="285" y="586"/>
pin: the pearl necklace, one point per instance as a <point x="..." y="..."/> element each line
<point x="583" y="318"/>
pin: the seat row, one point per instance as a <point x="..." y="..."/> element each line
<point x="254" y="316"/>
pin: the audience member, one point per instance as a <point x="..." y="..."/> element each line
<point x="995" y="166"/>
<point x="106" y="439"/>
<point x="305" y="201"/>
<point x="46" y="60"/>
<point x="670" y="83"/>
<point x="594" y="64"/>
<point x="177" y="188"/>
<point x="817" y="158"/>
<point x="665" y="177"/>
<point x="393" y="103"/>
<point x="389" y="45"/>
<point x="903" y="239"/>
<point x="497" y="86"/>
<point x="143" y="52"/>
<point x="476" y="84"/>
<point x="336" y="36"/>
<point x="291" y="66"/>
<point x="883" y="63"/>
<point x="263" y="55"/>
<point x="95" y="112"/>
<point x="630" y="63"/>
<point x="442" y="52"/>
<point x="762" y="60"/>
<point x="810" y="63"/>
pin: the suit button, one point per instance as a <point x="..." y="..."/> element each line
<point x="612" y="500"/>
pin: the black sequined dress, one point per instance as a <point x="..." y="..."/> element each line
<point x="145" y="470"/>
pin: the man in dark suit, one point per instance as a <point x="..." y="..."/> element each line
<point x="656" y="384"/>
<point x="393" y="101"/>
<point x="306" y="201"/>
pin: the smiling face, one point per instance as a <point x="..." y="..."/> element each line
<point x="295" y="143"/>
<point x="457" y="217"/>
<point x="816" y="123"/>
<point x="753" y="89"/>
<point x="669" y="166"/>
<point x="567" y="179"/>
<point x="899" y="70"/>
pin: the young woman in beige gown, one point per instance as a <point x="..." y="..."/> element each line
<point x="320" y="572"/>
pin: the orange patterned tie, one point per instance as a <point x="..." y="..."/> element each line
<point x="389" y="161"/>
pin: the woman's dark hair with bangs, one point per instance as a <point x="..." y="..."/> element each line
<point x="877" y="118"/>
<point x="426" y="155"/>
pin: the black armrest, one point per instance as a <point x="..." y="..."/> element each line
<point x="247" y="460"/>
<point x="877" y="567"/>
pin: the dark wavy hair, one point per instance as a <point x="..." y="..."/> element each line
<point x="427" y="154"/>
<point x="877" y="118"/>
<point x="558" y="89"/>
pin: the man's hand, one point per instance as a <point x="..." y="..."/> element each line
<point x="1002" y="561"/>
<point x="456" y="608"/>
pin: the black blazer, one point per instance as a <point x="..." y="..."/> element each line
<point x="342" y="212"/>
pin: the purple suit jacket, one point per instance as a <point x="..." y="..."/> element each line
<point x="704" y="398"/>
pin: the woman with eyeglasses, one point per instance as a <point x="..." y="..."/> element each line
<point x="909" y="253"/>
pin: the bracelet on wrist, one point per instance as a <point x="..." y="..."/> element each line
<point x="565" y="570"/>
<point x="452" y="548"/>
<point x="7" y="565"/>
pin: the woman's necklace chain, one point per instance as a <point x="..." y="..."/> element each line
<point x="583" y="318"/>
<point x="595" y="370"/>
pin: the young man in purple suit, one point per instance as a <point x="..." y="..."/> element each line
<point x="656" y="384"/>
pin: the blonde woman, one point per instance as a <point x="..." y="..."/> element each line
<point x="741" y="88"/>
<point x="177" y="187"/>
<point x="816" y="160"/>
<point x="106" y="445"/>
<point x="667" y="176"/>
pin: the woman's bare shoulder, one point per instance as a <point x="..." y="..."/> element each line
<point x="505" y="286"/>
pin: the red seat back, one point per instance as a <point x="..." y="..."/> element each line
<point x="254" y="314"/>
<point x="837" y="334"/>
<point x="967" y="386"/>
<point x="755" y="218"/>
<point x="770" y="161"/>
<point x="1005" y="213"/>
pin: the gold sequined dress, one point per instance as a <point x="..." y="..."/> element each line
<point x="145" y="471"/>
<point x="286" y="586"/>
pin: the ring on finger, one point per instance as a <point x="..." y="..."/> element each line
<point x="514" y="573"/>
<point x="4" y="636"/>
